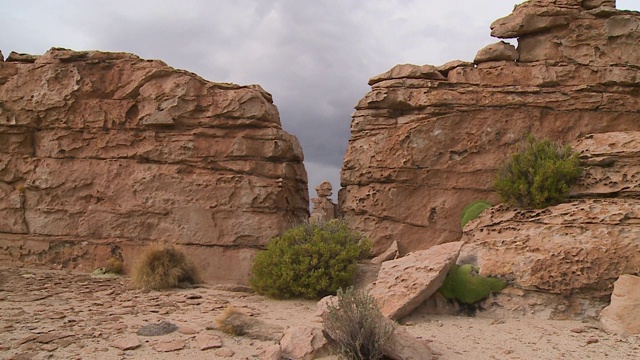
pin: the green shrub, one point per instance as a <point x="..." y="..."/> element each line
<point x="463" y="283"/>
<point x="540" y="175"/>
<point x="473" y="210"/>
<point x="163" y="267"/>
<point x="309" y="260"/>
<point x="356" y="325"/>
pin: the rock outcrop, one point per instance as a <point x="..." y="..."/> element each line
<point x="422" y="146"/>
<point x="576" y="248"/>
<point x="103" y="153"/>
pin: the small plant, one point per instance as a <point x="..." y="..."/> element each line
<point x="473" y="210"/>
<point x="114" y="266"/>
<point x="356" y="325"/>
<point x="163" y="267"/>
<point x="309" y="260"/>
<point x="463" y="283"/>
<point x="540" y="175"/>
<point x="232" y="322"/>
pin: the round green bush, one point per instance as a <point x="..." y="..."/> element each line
<point x="473" y="210"/>
<point x="463" y="283"/>
<point x="539" y="175"/>
<point x="310" y="260"/>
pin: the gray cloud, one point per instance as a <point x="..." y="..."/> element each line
<point x="315" y="57"/>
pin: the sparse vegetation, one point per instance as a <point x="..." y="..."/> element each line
<point x="309" y="260"/>
<point x="163" y="267"/>
<point x="232" y="322"/>
<point x="463" y="283"/>
<point x="356" y="325"/>
<point x="114" y="266"/>
<point x="473" y="210"/>
<point x="539" y="175"/>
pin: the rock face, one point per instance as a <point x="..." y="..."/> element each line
<point x="574" y="248"/>
<point x="579" y="247"/>
<point x="103" y="153"/>
<point x="621" y="317"/>
<point x="423" y="147"/>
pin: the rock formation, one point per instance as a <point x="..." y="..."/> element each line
<point x="323" y="208"/>
<point x="576" y="248"/>
<point x="621" y="317"/>
<point x="103" y="153"/>
<point x="426" y="141"/>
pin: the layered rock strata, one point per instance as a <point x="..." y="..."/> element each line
<point x="426" y="141"/>
<point x="103" y="153"/>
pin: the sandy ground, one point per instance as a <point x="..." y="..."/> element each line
<point x="48" y="314"/>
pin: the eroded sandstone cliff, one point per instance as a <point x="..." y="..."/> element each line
<point x="103" y="153"/>
<point x="426" y="141"/>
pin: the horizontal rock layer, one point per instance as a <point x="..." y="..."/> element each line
<point x="422" y="148"/>
<point x="107" y="148"/>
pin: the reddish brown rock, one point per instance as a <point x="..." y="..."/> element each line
<point x="207" y="342"/>
<point x="421" y="149"/>
<point x="500" y="51"/>
<point x="169" y="346"/>
<point x="408" y="71"/>
<point x="577" y="248"/>
<point x="403" y="284"/>
<point x="621" y="316"/>
<point x="103" y="153"/>
<point x="127" y="343"/>
<point x="303" y="343"/>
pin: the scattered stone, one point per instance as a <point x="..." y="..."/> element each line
<point x="26" y="340"/>
<point x="405" y="283"/>
<point x="193" y="296"/>
<point x="299" y="342"/>
<point x="500" y="51"/>
<point x="592" y="341"/>
<point x="168" y="346"/>
<point x="49" y="347"/>
<point x="185" y="330"/>
<point x="161" y="328"/>
<point x="126" y="343"/>
<point x="224" y="352"/>
<point x="206" y="341"/>
<point x="577" y="330"/>
<point x="621" y="316"/>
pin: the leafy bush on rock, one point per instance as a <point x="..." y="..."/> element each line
<point x="539" y="175"/>
<point x="463" y="283"/>
<point x="163" y="267"/>
<point x="473" y="210"/>
<point x="311" y="260"/>
<point x="356" y="325"/>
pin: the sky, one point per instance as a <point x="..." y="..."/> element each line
<point x="314" y="57"/>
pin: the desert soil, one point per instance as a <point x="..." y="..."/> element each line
<point x="46" y="314"/>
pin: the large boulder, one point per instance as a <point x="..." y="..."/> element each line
<point x="622" y="316"/>
<point x="403" y="284"/>
<point x="422" y="147"/>
<point x="577" y="248"/>
<point x="103" y="153"/>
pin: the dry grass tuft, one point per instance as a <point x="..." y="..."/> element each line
<point x="233" y="322"/>
<point x="114" y="266"/>
<point x="163" y="267"/>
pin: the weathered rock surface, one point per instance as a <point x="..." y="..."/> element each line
<point x="303" y="343"/>
<point x="575" y="248"/>
<point x="403" y="284"/>
<point x="103" y="153"/>
<point x="622" y="317"/>
<point x="423" y="148"/>
<point x="500" y="51"/>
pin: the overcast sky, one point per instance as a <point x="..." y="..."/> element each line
<point x="315" y="57"/>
